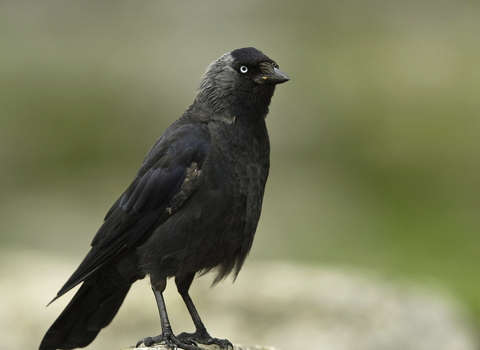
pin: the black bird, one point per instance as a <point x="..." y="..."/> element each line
<point x="192" y="207"/>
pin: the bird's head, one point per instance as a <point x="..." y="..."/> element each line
<point x="241" y="81"/>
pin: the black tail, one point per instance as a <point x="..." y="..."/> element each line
<point x="90" y="310"/>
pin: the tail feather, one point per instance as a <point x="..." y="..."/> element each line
<point x="90" y="310"/>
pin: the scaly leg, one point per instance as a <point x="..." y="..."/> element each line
<point x="200" y="335"/>
<point x="167" y="335"/>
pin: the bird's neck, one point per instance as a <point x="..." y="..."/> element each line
<point x="229" y="108"/>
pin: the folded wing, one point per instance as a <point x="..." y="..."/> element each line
<point x="147" y="202"/>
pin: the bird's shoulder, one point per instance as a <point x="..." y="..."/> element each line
<point x="176" y="145"/>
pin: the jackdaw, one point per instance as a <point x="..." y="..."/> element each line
<point x="192" y="207"/>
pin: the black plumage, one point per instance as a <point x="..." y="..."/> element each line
<point x="192" y="207"/>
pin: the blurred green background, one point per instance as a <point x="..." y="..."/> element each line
<point x="375" y="140"/>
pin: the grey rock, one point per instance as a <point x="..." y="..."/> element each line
<point x="207" y="347"/>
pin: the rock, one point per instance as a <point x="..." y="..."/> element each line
<point x="285" y="305"/>
<point x="207" y="347"/>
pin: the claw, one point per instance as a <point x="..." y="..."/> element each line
<point x="204" y="338"/>
<point x="223" y="343"/>
<point x="149" y="341"/>
<point x="170" y="340"/>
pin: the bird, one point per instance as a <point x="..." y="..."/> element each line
<point x="192" y="208"/>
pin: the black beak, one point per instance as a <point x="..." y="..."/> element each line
<point x="271" y="75"/>
<point x="279" y="77"/>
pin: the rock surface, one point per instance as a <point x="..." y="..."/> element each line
<point x="284" y="305"/>
<point x="207" y="347"/>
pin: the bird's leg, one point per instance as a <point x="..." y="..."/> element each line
<point x="167" y="335"/>
<point x="200" y="335"/>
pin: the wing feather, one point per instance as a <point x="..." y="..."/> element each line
<point x="142" y="207"/>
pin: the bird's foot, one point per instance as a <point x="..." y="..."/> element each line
<point x="203" y="337"/>
<point x="170" y="340"/>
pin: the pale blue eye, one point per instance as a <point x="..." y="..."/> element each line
<point x="243" y="69"/>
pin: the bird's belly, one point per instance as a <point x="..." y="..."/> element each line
<point x="207" y="231"/>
